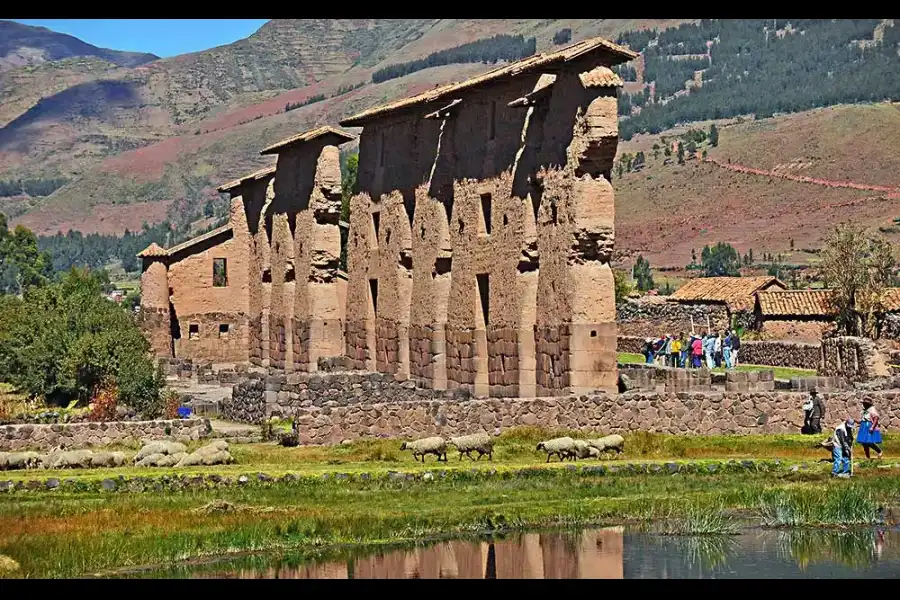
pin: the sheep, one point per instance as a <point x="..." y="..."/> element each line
<point x="161" y="447"/>
<point x="585" y="450"/>
<point x="563" y="447"/>
<point x="610" y="442"/>
<point x="481" y="443"/>
<point x="433" y="445"/>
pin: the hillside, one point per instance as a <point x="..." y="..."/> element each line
<point x="152" y="142"/>
<point x="665" y="210"/>
<point x="24" y="45"/>
<point x="133" y="141"/>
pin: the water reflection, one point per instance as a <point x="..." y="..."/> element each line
<point x="609" y="553"/>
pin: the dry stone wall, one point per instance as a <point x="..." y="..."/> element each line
<point x="656" y="318"/>
<point x="84" y="435"/>
<point x="329" y="417"/>
<point x="853" y="358"/>
<point x="771" y="354"/>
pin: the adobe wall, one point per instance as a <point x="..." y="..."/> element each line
<point x="305" y="311"/>
<point x="256" y="195"/>
<point x="153" y="316"/>
<point x="382" y="408"/>
<point x="197" y="302"/>
<point x="810" y="332"/>
<point x="550" y="322"/>
<point x="643" y="318"/>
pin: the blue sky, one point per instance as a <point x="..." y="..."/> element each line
<point x="162" y="37"/>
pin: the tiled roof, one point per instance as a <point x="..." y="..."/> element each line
<point x="198" y="239"/>
<point x="795" y="303"/>
<point x="226" y="187"/>
<point x="600" y="77"/>
<point x="152" y="250"/>
<point x="736" y="292"/>
<point x="308" y="136"/>
<point x="526" y="65"/>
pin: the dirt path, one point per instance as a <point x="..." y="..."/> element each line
<point x="893" y="192"/>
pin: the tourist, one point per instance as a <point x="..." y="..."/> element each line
<point x="735" y="346"/>
<point x="807" y="415"/>
<point x="818" y="412"/>
<point x="841" y="452"/>
<point x="674" y="351"/>
<point x="697" y="351"/>
<point x="648" y="351"/>
<point x="664" y="350"/>
<point x="717" y="350"/>
<point x="709" y="348"/>
<point x="869" y="429"/>
<point x="726" y="349"/>
<point x="683" y="360"/>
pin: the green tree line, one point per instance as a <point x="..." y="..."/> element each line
<point x="31" y="187"/>
<point x="488" y="50"/>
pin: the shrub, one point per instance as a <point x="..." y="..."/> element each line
<point x="64" y="340"/>
<point x="171" y="402"/>
<point x="104" y="403"/>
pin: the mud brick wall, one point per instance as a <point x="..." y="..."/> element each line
<point x="211" y="344"/>
<point x="85" y="435"/>
<point x="551" y="350"/>
<point x="503" y="362"/>
<point x="156" y="327"/>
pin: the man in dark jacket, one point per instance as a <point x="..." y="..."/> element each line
<point x="818" y="412"/>
<point x="842" y="444"/>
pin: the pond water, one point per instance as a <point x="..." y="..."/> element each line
<point x="608" y="553"/>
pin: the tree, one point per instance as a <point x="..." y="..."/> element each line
<point x="792" y="243"/>
<point x="750" y="255"/>
<point x="62" y="341"/>
<point x="563" y="36"/>
<point x="680" y="153"/>
<point x="348" y="187"/>
<point x="622" y="285"/>
<point x="655" y="151"/>
<point x="22" y="264"/>
<point x="642" y="274"/>
<point x="857" y="265"/>
<point x="721" y="260"/>
<point x="638" y="162"/>
<point x="713" y="135"/>
<point x="667" y="150"/>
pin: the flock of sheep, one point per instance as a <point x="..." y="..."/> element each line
<point x="483" y="444"/>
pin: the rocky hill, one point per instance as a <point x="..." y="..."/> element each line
<point x="23" y="45"/>
<point x="151" y="142"/>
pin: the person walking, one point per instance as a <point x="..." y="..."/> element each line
<point x="726" y="349"/>
<point x="842" y="441"/>
<point x="817" y="414"/>
<point x="807" y="414"/>
<point x="685" y="350"/>
<point x="648" y="351"/>
<point x="869" y="429"/>
<point x="735" y="346"/>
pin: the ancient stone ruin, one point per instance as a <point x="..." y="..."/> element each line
<point x="478" y="251"/>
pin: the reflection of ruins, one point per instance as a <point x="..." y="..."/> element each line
<point x="478" y="248"/>
<point x="593" y="554"/>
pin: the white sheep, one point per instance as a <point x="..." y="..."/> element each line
<point x="610" y="442"/>
<point x="432" y="445"/>
<point x="563" y="447"/>
<point x="585" y="450"/>
<point x="481" y="443"/>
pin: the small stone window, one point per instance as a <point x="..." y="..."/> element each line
<point x="373" y="293"/>
<point x="224" y="328"/>
<point x="376" y="226"/>
<point x="486" y="212"/>
<point x="492" y="124"/>
<point x="381" y="150"/>
<point x="483" y="282"/>
<point x="194" y="331"/>
<point x="220" y="272"/>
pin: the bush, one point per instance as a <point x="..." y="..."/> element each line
<point x="103" y="405"/>
<point x="171" y="402"/>
<point x="63" y="341"/>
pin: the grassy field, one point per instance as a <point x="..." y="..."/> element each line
<point x="71" y="534"/>
<point x="780" y="372"/>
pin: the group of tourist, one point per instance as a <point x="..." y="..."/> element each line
<point x="841" y="442"/>
<point x="713" y="348"/>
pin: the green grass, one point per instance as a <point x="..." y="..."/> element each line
<point x="780" y="372"/>
<point x="67" y="534"/>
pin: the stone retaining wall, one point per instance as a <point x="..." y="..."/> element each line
<point x="329" y="416"/>
<point x="84" y="435"/>
<point x="855" y="359"/>
<point x="648" y="318"/>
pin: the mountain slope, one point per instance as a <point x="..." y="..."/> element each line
<point x="23" y="45"/>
